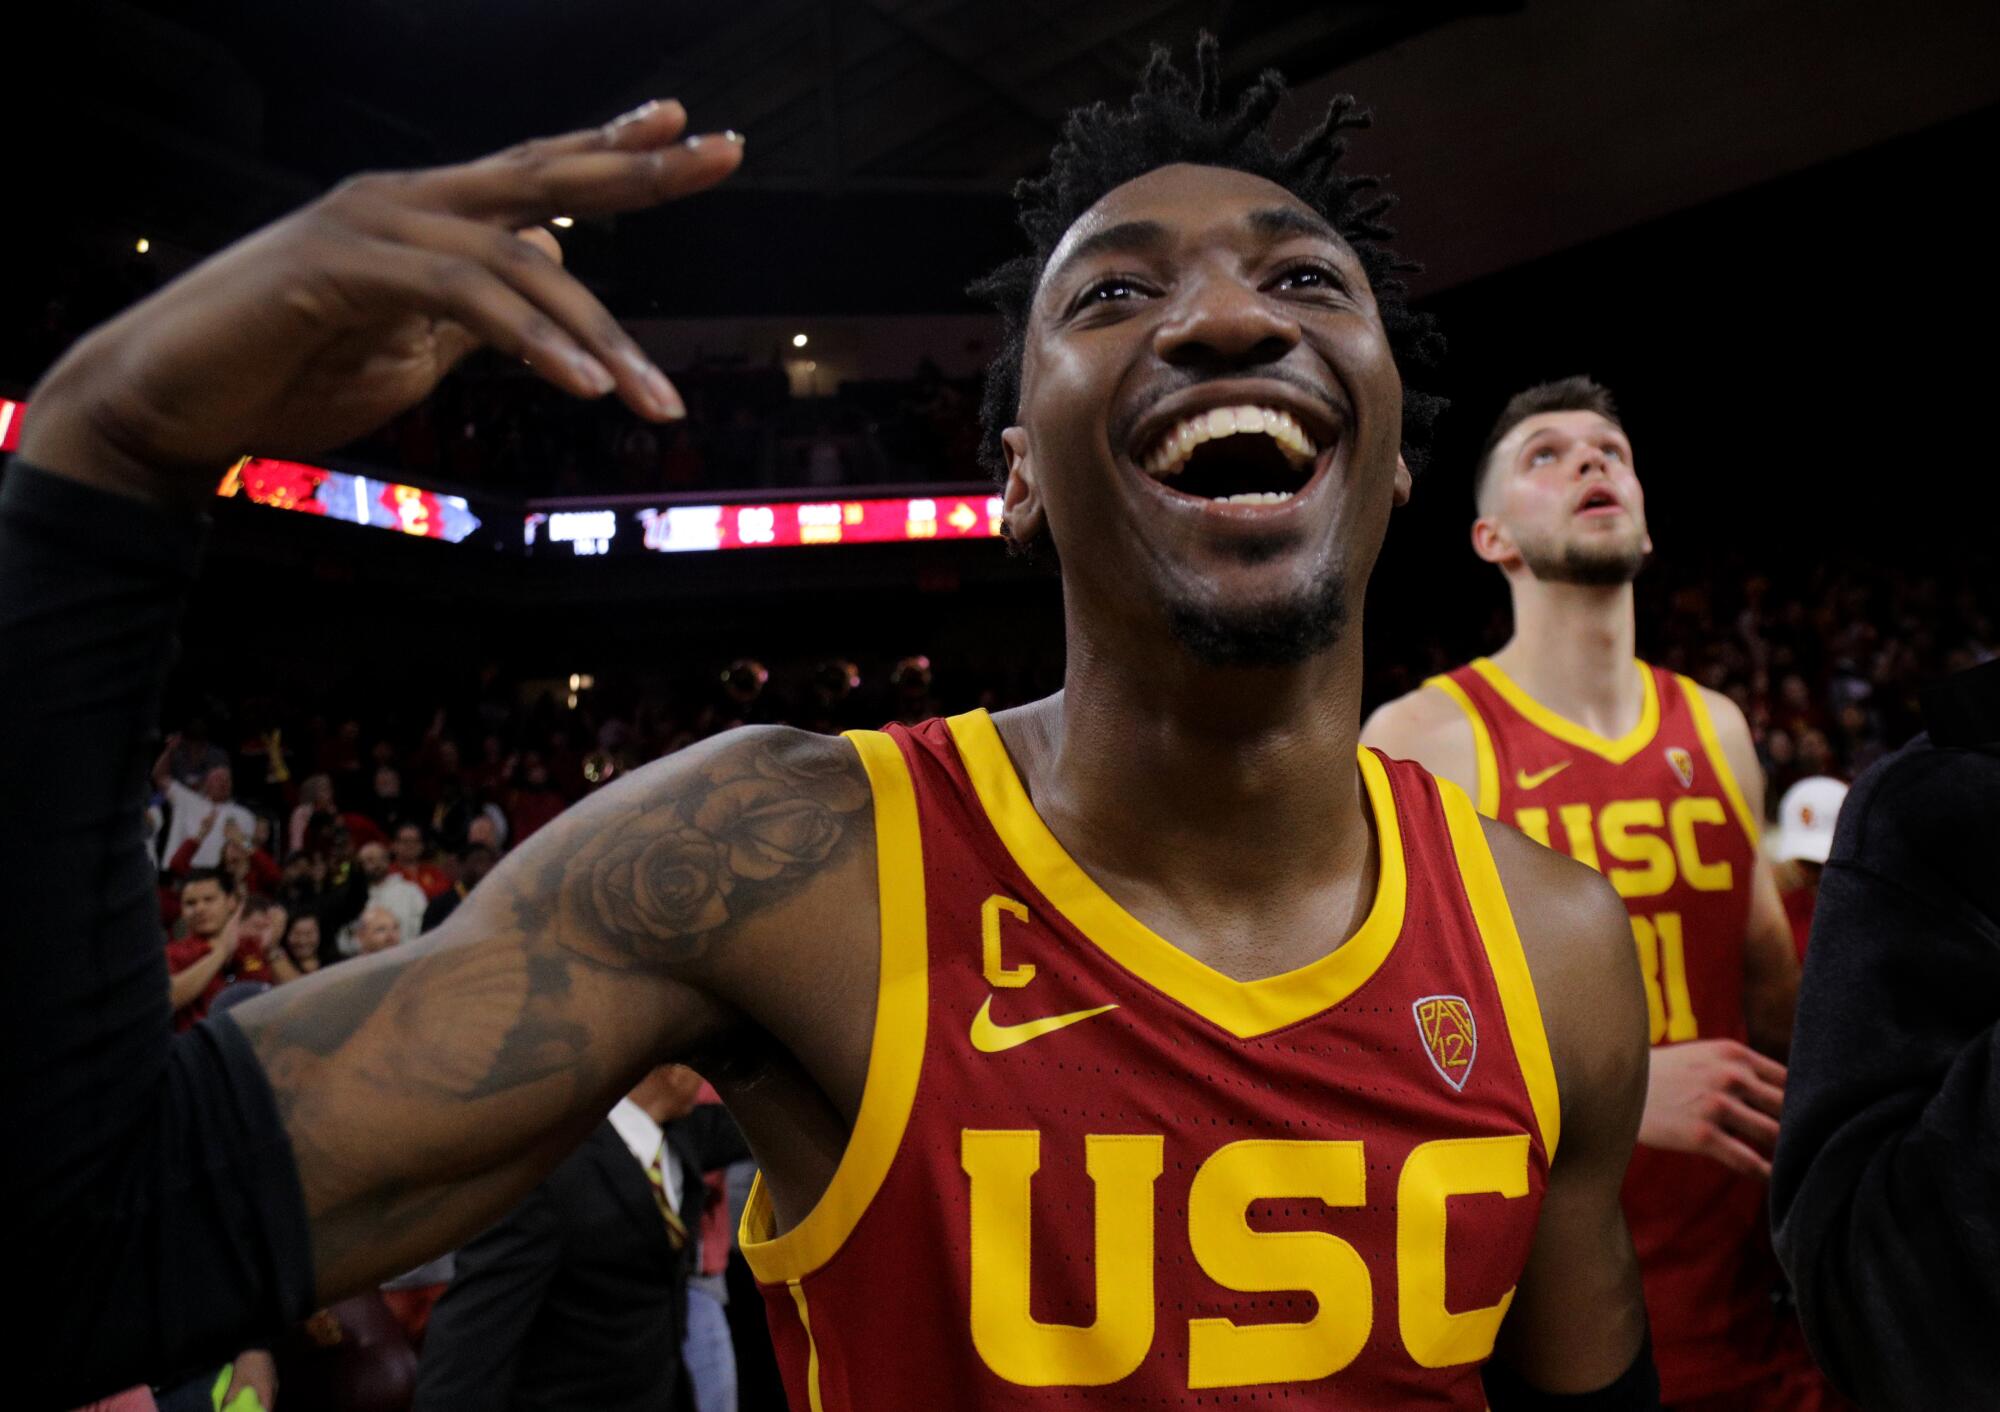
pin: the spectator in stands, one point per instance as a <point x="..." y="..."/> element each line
<point x="533" y="801"/>
<point x="199" y="814"/>
<point x="401" y="898"/>
<point x="473" y="864"/>
<point x="386" y="805"/>
<point x="213" y="953"/>
<point x="1799" y="847"/>
<point x="190" y="755"/>
<point x="299" y="956"/>
<point x="263" y="926"/>
<point x="376" y="929"/>
<point x="409" y="852"/>
<point x="313" y="816"/>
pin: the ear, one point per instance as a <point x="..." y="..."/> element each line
<point x="1404" y="480"/>
<point x="1491" y="542"/>
<point x="1021" y="500"/>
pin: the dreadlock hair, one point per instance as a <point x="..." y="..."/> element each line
<point x="1177" y="118"/>
<point x="1571" y="394"/>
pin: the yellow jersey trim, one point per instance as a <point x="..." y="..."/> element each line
<point x="1711" y="745"/>
<point x="1482" y="744"/>
<point x="1507" y="961"/>
<point x="895" y="1055"/>
<point x="812" y="1346"/>
<point x="1569" y="732"/>
<point x="1245" y="1009"/>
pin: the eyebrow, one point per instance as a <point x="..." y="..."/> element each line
<point x="1125" y="236"/>
<point x="1275" y="221"/>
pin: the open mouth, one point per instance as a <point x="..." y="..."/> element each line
<point x="1241" y="455"/>
<point x="1598" y="499"/>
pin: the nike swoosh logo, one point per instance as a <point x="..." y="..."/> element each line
<point x="989" y="1038"/>
<point x="1540" y="777"/>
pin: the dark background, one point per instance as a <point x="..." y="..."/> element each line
<point x="1763" y="229"/>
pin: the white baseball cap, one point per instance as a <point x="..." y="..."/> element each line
<point x="1806" y="816"/>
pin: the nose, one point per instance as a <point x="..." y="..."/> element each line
<point x="1591" y="460"/>
<point x="1221" y="324"/>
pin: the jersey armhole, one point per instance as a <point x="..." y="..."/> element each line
<point x="1482" y="745"/>
<point x="896" y="1050"/>
<point x="1711" y="745"/>
<point x="1507" y="961"/>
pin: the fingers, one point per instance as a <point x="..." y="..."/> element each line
<point x="552" y="292"/>
<point x="541" y="238"/>
<point x="1768" y="1098"/>
<point x="628" y="165"/>
<point x="469" y="294"/>
<point x="1768" y="1069"/>
<point x="1737" y="1156"/>
<point x="1758" y="1129"/>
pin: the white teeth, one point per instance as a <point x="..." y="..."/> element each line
<point x="1255" y="497"/>
<point x="1176" y="445"/>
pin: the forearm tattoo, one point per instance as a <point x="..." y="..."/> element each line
<point x="379" y="1066"/>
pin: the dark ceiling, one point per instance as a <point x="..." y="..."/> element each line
<point x="884" y="134"/>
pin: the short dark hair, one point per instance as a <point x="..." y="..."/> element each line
<point x="215" y="875"/>
<point x="256" y="906"/>
<point x="1571" y="394"/>
<point x="1174" y="118"/>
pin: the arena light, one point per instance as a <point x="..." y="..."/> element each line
<point x="798" y="340"/>
<point x="142" y="245"/>
<point x="563" y="222"/>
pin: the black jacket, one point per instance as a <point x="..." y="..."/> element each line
<point x="1886" y="1187"/>
<point x="577" y="1299"/>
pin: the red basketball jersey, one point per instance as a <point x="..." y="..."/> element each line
<point x="1658" y="813"/>
<point x="1091" y="1171"/>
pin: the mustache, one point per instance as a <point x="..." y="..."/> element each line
<point x="1121" y="431"/>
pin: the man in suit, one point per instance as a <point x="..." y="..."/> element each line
<point x="578" y="1298"/>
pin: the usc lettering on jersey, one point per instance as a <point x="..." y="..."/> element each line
<point x="1090" y="1170"/>
<point x="1658" y="812"/>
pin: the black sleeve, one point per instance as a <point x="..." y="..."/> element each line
<point x="473" y="1342"/>
<point x="1886" y="1186"/>
<point x="147" y="1189"/>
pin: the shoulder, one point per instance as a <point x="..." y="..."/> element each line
<point x="184" y="953"/>
<point x="1577" y="937"/>
<point x="1429" y="727"/>
<point x="1929" y="808"/>
<point x="759" y="829"/>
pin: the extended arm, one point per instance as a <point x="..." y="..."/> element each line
<point x="427" y="1088"/>
<point x="170" y="1181"/>
<point x="1578" y="1322"/>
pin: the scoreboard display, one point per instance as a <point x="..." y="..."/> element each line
<point x="690" y="528"/>
<point x="584" y="528"/>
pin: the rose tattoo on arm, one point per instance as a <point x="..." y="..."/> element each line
<point x="656" y="886"/>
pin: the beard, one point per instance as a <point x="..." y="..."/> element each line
<point x="1591" y="565"/>
<point x="1280" y="633"/>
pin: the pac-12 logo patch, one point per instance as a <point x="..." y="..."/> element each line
<point x="1682" y="765"/>
<point x="1450" y="1038"/>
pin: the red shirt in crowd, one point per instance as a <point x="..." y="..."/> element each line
<point x="247" y="964"/>
<point x="428" y="876"/>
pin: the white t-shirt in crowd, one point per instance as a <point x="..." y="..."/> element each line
<point x="400" y="896"/>
<point x="191" y="807"/>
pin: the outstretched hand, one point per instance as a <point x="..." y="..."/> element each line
<point x="1718" y="1098"/>
<point x="321" y="327"/>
